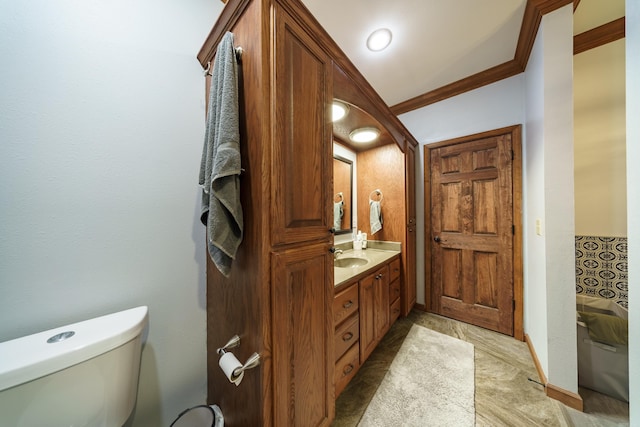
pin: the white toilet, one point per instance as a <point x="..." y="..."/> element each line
<point x="83" y="374"/>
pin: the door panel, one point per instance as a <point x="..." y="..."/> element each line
<point x="303" y="352"/>
<point x="301" y="198"/>
<point x="471" y="231"/>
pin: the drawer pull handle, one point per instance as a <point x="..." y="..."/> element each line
<point x="347" y="369"/>
<point x="347" y="304"/>
<point x="347" y="337"/>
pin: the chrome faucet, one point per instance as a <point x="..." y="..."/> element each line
<point x="336" y="253"/>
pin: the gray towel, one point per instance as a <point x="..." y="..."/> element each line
<point x="338" y="213"/>
<point x="375" y="216"/>
<point x="220" y="165"/>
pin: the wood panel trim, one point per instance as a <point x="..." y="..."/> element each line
<point x="229" y="16"/>
<point x="475" y="81"/>
<point x="607" y="33"/>
<point x="427" y="230"/>
<point x="536" y="361"/>
<point x="534" y="10"/>
<point x="518" y="257"/>
<point x="569" y="398"/>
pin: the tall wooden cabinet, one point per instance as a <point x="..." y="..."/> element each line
<point x="279" y="295"/>
<point x="302" y="276"/>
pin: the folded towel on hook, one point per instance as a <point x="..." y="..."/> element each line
<point x="220" y="164"/>
<point x="338" y="213"/>
<point x="375" y="216"/>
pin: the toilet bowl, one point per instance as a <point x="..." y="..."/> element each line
<point x="82" y="374"/>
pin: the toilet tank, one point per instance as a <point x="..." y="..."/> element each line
<point x="82" y="374"/>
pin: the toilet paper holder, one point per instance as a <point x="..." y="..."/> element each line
<point x="252" y="361"/>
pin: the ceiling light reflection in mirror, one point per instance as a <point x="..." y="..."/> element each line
<point x="364" y="135"/>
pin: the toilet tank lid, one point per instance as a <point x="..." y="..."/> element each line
<point x="31" y="357"/>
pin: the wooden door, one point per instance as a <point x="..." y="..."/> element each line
<point x="303" y="336"/>
<point x="472" y="232"/>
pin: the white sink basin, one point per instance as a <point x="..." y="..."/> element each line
<point x="350" y="262"/>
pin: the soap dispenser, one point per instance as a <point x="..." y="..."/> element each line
<point x="357" y="242"/>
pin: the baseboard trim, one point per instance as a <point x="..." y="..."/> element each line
<point x="569" y="398"/>
<point x="536" y="361"/>
<point x="420" y="307"/>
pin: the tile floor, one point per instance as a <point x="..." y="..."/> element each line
<point x="507" y="393"/>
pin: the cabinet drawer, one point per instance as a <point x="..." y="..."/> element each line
<point x="346" y="368"/>
<point x="345" y="304"/>
<point x="346" y="335"/>
<point x="394" y="311"/>
<point x="394" y="269"/>
<point x="394" y="291"/>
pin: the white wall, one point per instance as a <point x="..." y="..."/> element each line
<point x="101" y="128"/>
<point x="559" y="230"/>
<point x="633" y="202"/>
<point x="550" y="254"/>
<point x="600" y="138"/>
<point x="493" y="106"/>
<point x="535" y="272"/>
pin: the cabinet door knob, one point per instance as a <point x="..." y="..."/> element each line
<point x="436" y="239"/>
<point x="332" y="230"/>
<point x="347" y="304"/>
<point x="347" y="369"/>
<point x="347" y="337"/>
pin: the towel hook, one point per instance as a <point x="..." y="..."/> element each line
<point x="378" y="193"/>
<point x="238" y="50"/>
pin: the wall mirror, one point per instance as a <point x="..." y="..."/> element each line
<point x="342" y="195"/>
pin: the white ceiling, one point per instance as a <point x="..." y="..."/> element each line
<point x="435" y="42"/>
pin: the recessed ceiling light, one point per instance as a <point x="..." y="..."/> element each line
<point x="364" y="135"/>
<point x="379" y="39"/>
<point x="339" y="110"/>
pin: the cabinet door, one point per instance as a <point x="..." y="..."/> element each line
<point x="301" y="167"/>
<point x="367" y="317"/>
<point x="303" y="336"/>
<point x="374" y="310"/>
<point x="381" y="315"/>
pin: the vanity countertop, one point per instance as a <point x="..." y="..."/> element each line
<point x="375" y="257"/>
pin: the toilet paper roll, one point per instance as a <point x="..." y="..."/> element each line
<point x="229" y="363"/>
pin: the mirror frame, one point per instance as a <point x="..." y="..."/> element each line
<point x="349" y="200"/>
